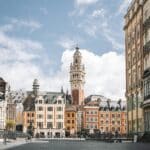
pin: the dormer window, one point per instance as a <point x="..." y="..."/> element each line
<point x="40" y="101"/>
<point x="59" y="102"/>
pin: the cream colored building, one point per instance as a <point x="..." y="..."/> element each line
<point x="146" y="76"/>
<point x="50" y="111"/>
<point x="134" y="66"/>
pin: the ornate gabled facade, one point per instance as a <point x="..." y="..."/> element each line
<point x="77" y="78"/>
<point x="44" y="112"/>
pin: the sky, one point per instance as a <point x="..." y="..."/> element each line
<point x="38" y="39"/>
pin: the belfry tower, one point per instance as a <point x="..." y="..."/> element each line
<point x="77" y="78"/>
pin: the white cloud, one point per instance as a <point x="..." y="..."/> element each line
<point x="98" y="24"/>
<point x="104" y="74"/>
<point x="85" y="2"/>
<point x="81" y="6"/>
<point x="97" y="13"/>
<point x="15" y="23"/>
<point x="66" y="43"/>
<point x="13" y="49"/>
<point x="26" y="23"/>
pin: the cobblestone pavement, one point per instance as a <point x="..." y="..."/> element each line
<point x="81" y="145"/>
<point x="12" y="143"/>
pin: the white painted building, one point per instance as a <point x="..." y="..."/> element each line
<point x="4" y="89"/>
<point x="3" y="105"/>
<point x="50" y="111"/>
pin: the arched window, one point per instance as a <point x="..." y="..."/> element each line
<point x="76" y="60"/>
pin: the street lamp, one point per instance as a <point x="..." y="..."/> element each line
<point x="1" y="118"/>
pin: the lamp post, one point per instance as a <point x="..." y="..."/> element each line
<point x="1" y="119"/>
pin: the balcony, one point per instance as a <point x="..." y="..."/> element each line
<point x="146" y="23"/>
<point x="146" y="47"/>
<point x="146" y="73"/>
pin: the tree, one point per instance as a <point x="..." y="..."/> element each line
<point x="10" y="124"/>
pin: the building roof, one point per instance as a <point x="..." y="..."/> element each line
<point x="29" y="103"/>
<point x="70" y="108"/>
<point x="105" y="103"/>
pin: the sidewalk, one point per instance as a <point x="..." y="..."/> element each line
<point x="12" y="143"/>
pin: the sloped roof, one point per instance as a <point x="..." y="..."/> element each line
<point x="29" y="103"/>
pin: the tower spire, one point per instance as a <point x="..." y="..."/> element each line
<point x="36" y="87"/>
<point x="77" y="80"/>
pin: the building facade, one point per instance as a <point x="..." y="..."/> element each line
<point x="113" y="121"/>
<point x="3" y="104"/>
<point x="107" y="116"/>
<point x="146" y="76"/>
<point x="77" y="75"/>
<point x="71" y="120"/>
<point x="79" y="121"/>
<point x="134" y="66"/>
<point x="91" y="116"/>
<point x="50" y="115"/>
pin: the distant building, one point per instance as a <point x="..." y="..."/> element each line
<point x="29" y="116"/>
<point x="50" y="111"/>
<point x="3" y="104"/>
<point x="71" y="120"/>
<point x="45" y="112"/>
<point x="91" y="116"/>
<point x="7" y="107"/>
<point x="79" y="120"/>
<point x="106" y="116"/>
<point x="77" y="78"/>
<point x="3" y="87"/>
<point x="18" y="97"/>
<point x="113" y="117"/>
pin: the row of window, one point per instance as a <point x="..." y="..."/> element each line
<point x="30" y="114"/>
<point x="40" y="108"/>
<point x="113" y="122"/>
<point x="105" y="115"/>
<point x="41" y="101"/>
<point x="112" y="115"/>
<point x="30" y="121"/>
<point x="91" y="126"/>
<point x="132" y="60"/>
<point x="59" y="125"/>
<point x="113" y="129"/>
<point x="133" y="36"/>
<point x="70" y="115"/>
<point x="69" y="128"/>
<point x="70" y="121"/>
<point x="146" y="88"/>
<point x="92" y="112"/>
<point x="40" y="116"/>
<point x="91" y="119"/>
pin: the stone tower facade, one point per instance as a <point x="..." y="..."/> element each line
<point x="134" y="66"/>
<point x="36" y="87"/>
<point x="77" y="78"/>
